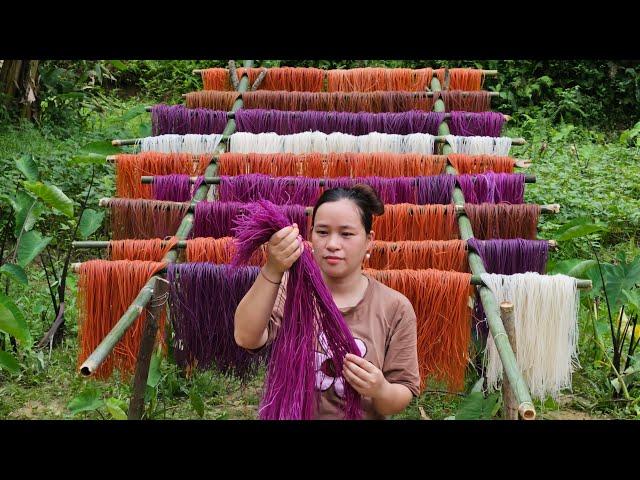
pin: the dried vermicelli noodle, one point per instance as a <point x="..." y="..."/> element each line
<point x="212" y="99"/>
<point x="130" y="169"/>
<point x="371" y="79"/>
<point x="151" y="250"/>
<point x="441" y="302"/>
<point x="418" y="254"/>
<point x="277" y="78"/>
<point x="144" y="219"/>
<point x="307" y="142"/>
<point x="501" y="220"/>
<point x="470" y="124"/>
<point x="464" y="101"/>
<point x="177" y="119"/>
<point x="106" y="289"/>
<point x="462" y="78"/>
<point x="480" y="145"/>
<point x="546" y="330"/>
<point x="191" y="143"/>
<point x="219" y="250"/>
<point x="468" y="164"/>
<point x="416" y="222"/>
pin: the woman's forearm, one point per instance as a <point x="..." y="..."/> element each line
<point x="254" y="310"/>
<point x="393" y="398"/>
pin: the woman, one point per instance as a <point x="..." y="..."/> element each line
<point x="381" y="320"/>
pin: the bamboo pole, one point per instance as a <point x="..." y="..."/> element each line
<point x="475" y="279"/>
<point x="518" y="162"/>
<point x="415" y="94"/>
<point x="83" y="244"/>
<point x="487" y="73"/>
<point x="511" y="370"/>
<point x="216" y="180"/>
<point x="459" y="209"/>
<point x="154" y="312"/>
<point x="108" y="343"/>
<point x="447" y="116"/>
<point x="437" y="139"/>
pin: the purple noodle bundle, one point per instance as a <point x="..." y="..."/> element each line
<point x="508" y="257"/>
<point x="511" y="256"/>
<point x="309" y="310"/>
<point x="203" y="298"/>
<point x="469" y="124"/>
<point x="361" y="123"/>
<point x="492" y="187"/>
<point x="391" y="190"/>
<point x="216" y="219"/>
<point x="180" y="120"/>
<point x="174" y="187"/>
<point x="281" y="190"/>
<point x="435" y="189"/>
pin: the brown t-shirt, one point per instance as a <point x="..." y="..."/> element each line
<point x="383" y="324"/>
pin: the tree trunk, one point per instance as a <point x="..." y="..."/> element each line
<point x="19" y="84"/>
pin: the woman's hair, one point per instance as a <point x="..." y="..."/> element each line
<point x="362" y="195"/>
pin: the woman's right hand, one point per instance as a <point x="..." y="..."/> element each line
<point x="283" y="249"/>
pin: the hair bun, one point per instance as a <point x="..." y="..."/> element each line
<point x="370" y="196"/>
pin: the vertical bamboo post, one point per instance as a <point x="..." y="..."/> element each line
<point x="154" y="312"/>
<point x="509" y="402"/>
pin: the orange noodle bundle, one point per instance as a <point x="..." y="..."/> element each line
<point x="277" y="78"/>
<point x="219" y="250"/>
<point x="405" y="221"/>
<point x="441" y="302"/>
<point x="462" y="78"/>
<point x="105" y="291"/>
<point x="371" y="79"/>
<point x="152" y="250"/>
<point x="216" y="79"/>
<point x="468" y="164"/>
<point x="142" y="219"/>
<point x="316" y="165"/>
<point x="479" y="101"/>
<point x="500" y="220"/>
<point x="418" y="254"/>
<point x="211" y="99"/>
<point x="374" y="102"/>
<point x="130" y="169"/>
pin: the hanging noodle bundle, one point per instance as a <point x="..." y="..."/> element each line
<point x="492" y="187"/>
<point x="418" y="254"/>
<point x="307" y="142"/>
<point x="212" y="99"/>
<point x="461" y="78"/>
<point x="370" y="79"/>
<point x="503" y="221"/>
<point x="151" y="250"/>
<point x="441" y="302"/>
<point x="130" y="169"/>
<point x="106" y="289"/>
<point x="277" y="78"/>
<point x="416" y="222"/>
<point x="191" y="143"/>
<point x="546" y="330"/>
<point x="175" y="188"/>
<point x="480" y="145"/>
<point x="348" y="164"/>
<point x="219" y="250"/>
<point x="470" y="124"/>
<point x="180" y="120"/>
<point x="142" y="219"/>
<point x="509" y="256"/>
<point x="468" y="164"/>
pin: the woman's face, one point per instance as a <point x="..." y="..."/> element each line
<point x="338" y="237"/>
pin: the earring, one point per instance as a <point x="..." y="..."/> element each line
<point x="368" y="256"/>
<point x="312" y="250"/>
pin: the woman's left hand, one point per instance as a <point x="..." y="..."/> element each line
<point x="363" y="376"/>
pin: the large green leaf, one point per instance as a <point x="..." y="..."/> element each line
<point x="8" y="362"/>
<point x="17" y="315"/>
<point x="52" y="196"/>
<point x="115" y="408"/>
<point x="576" y="221"/>
<point x="10" y="324"/>
<point x="16" y="272"/>
<point x="624" y="276"/>
<point x="154" y="371"/>
<point x="31" y="244"/>
<point x="581" y="230"/>
<point x="90" y="158"/>
<point x="478" y="407"/>
<point x="28" y="210"/>
<point x="102" y="147"/>
<point x="88" y="400"/>
<point x="196" y="402"/>
<point x="119" y="64"/>
<point x="574" y="267"/>
<point x="133" y="112"/>
<point x="28" y="167"/>
<point x="90" y="222"/>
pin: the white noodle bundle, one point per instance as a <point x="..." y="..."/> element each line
<point x="480" y="145"/>
<point x="192" y="143"/>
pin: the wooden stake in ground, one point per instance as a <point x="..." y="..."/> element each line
<point x="509" y="402"/>
<point x="154" y="312"/>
